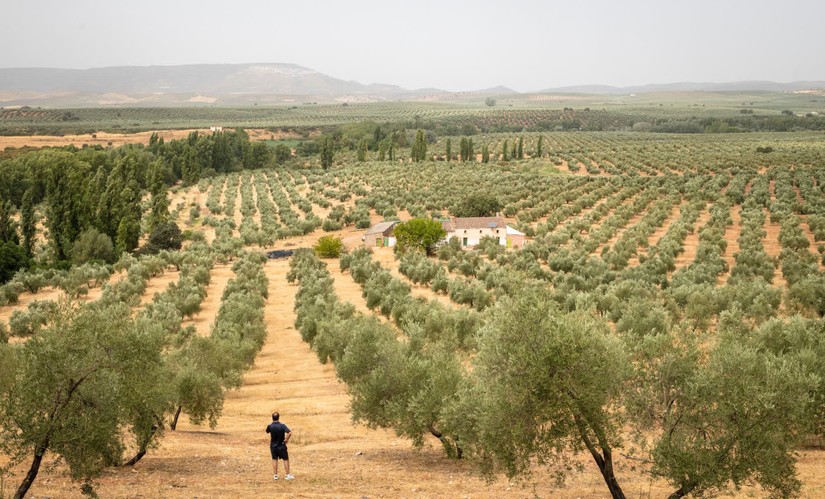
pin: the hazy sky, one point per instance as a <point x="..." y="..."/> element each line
<point x="453" y="45"/>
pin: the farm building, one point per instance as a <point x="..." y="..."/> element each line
<point x="468" y="230"/>
<point x="380" y="235"/>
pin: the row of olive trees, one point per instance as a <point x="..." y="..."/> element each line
<point x="706" y="413"/>
<point x="400" y="385"/>
<point x="96" y="382"/>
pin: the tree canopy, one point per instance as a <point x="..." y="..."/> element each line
<point x="418" y="234"/>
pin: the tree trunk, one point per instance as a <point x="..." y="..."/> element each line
<point x="39" y="451"/>
<point x="136" y="458"/>
<point x="610" y="477"/>
<point x="604" y="459"/>
<point x="143" y="446"/>
<point x="174" y="424"/>
<point x="682" y="491"/>
<point x="453" y="450"/>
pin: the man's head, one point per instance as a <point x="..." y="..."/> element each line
<point x="275" y="416"/>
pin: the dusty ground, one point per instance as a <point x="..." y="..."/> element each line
<point x="118" y="139"/>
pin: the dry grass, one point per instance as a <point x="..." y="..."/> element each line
<point x="118" y="139"/>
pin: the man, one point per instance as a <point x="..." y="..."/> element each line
<point x="279" y="436"/>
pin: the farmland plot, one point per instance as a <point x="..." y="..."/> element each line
<point x="685" y="236"/>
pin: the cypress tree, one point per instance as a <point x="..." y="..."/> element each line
<point x="362" y="150"/>
<point x="128" y="234"/>
<point x="538" y="147"/>
<point x="485" y="154"/>
<point x="382" y="150"/>
<point x="520" y="150"/>
<point x="449" y="150"/>
<point x="327" y="152"/>
<point x="28" y="222"/>
<point x="504" y="152"/>
<point x="8" y="232"/>
<point x="419" y="148"/>
<point x="471" y="155"/>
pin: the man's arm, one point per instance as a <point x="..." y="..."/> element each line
<point x="287" y="436"/>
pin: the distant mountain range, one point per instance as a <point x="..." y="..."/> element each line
<point x="266" y="83"/>
<point x="737" y="86"/>
<point x="188" y="84"/>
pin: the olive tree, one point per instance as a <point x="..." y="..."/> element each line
<point x="74" y="387"/>
<point x="712" y="416"/>
<point x="544" y="384"/>
<point x="418" y="234"/>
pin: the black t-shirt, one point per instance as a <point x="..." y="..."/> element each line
<point x="277" y="431"/>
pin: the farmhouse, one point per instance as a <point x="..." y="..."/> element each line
<point x="468" y="231"/>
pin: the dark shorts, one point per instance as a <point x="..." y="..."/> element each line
<point x="279" y="452"/>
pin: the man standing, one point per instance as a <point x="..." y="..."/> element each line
<point x="279" y="436"/>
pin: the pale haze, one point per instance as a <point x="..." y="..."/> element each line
<point x="452" y="45"/>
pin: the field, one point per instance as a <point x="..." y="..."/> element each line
<point x="450" y="113"/>
<point x="704" y="227"/>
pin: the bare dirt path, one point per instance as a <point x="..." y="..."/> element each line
<point x="386" y="258"/>
<point x="773" y="248"/>
<point x="732" y="238"/>
<point x="347" y="289"/>
<point x="691" y="244"/>
<point x="218" y="278"/>
<point x="658" y="234"/>
<point x="157" y="284"/>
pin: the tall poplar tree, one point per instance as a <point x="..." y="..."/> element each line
<point x="28" y="223"/>
<point x="327" y="152"/>
<point x="362" y="150"/>
<point x="419" y="148"/>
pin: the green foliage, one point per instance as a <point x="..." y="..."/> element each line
<point x="362" y="150"/>
<point x="418" y="152"/>
<point x="12" y="259"/>
<point x="165" y="236"/>
<point x="543" y="383"/>
<point x="327" y="152"/>
<point x="329" y="247"/>
<point x="74" y="386"/>
<point x="727" y="417"/>
<point x="418" y="234"/>
<point x="478" y="205"/>
<point x="91" y="245"/>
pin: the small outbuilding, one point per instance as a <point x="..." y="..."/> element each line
<point x="380" y="235"/>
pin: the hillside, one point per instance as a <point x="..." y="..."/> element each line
<point x="187" y="85"/>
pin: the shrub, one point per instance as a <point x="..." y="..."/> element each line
<point x="166" y="236"/>
<point x="329" y="247"/>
